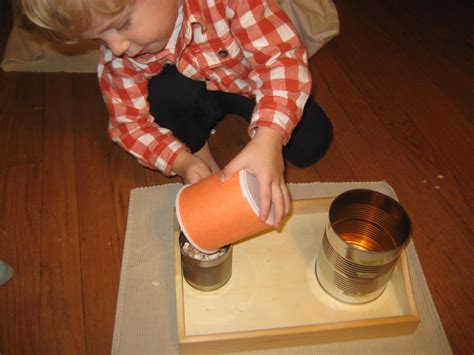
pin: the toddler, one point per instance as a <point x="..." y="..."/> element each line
<point x="169" y="70"/>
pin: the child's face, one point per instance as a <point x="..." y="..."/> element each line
<point x="142" y="28"/>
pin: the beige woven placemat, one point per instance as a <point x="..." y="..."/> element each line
<point x="145" y="320"/>
<point x="29" y="52"/>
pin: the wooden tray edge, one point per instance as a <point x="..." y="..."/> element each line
<point x="301" y="336"/>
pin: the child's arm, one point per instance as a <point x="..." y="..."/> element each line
<point x="282" y="83"/>
<point x="125" y="88"/>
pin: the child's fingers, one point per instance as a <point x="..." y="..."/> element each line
<point x="265" y="196"/>
<point x="197" y="172"/>
<point x="230" y="169"/>
<point x="278" y="201"/>
<point x="286" y="197"/>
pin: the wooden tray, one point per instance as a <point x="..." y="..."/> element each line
<point x="273" y="298"/>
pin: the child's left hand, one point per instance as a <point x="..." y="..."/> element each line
<point x="262" y="156"/>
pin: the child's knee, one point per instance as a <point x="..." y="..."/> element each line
<point x="311" y="139"/>
<point x="312" y="153"/>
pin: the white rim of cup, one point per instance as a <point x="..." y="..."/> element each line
<point x="249" y="188"/>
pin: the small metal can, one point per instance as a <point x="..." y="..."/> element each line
<point x="206" y="275"/>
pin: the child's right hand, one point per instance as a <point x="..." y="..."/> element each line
<point x="190" y="167"/>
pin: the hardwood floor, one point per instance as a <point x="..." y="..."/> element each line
<point x="398" y="86"/>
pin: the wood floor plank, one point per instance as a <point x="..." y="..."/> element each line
<point x="335" y="166"/>
<point x="20" y="238"/>
<point x="24" y="141"/>
<point x="439" y="38"/>
<point x="21" y="119"/>
<point x="98" y="233"/>
<point x="20" y="211"/>
<point x="402" y="51"/>
<point x="432" y="113"/>
<point x="62" y="313"/>
<point x="7" y="114"/>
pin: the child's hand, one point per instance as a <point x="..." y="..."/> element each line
<point x="190" y="167"/>
<point x="263" y="157"/>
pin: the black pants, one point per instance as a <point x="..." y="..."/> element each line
<point x="190" y="111"/>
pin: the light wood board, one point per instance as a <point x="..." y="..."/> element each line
<point x="274" y="299"/>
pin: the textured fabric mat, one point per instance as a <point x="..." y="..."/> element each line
<point x="146" y="322"/>
<point x="28" y="52"/>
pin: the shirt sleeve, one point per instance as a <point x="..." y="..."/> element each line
<point x="280" y="76"/>
<point x="124" y="88"/>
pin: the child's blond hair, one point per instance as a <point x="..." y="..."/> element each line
<point x="69" y="19"/>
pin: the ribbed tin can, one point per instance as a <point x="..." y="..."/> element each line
<point x="206" y="275"/>
<point x="362" y="242"/>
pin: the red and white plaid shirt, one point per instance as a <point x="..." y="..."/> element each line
<point x="248" y="47"/>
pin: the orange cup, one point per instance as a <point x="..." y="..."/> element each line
<point x="212" y="213"/>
